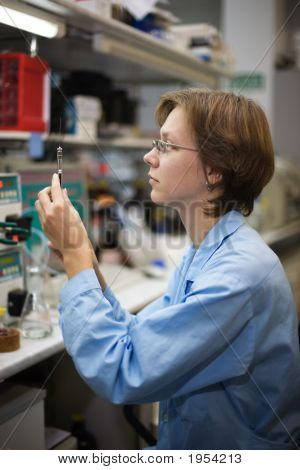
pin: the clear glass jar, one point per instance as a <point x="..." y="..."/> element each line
<point x="35" y="322"/>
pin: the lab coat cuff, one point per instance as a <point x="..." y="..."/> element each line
<point x="78" y="284"/>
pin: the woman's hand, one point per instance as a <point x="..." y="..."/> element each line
<point x="64" y="228"/>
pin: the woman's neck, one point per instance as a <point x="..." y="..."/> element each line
<point x="196" y="223"/>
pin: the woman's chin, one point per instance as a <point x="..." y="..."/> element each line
<point x="158" y="198"/>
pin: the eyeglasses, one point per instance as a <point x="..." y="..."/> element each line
<point x="163" y="147"/>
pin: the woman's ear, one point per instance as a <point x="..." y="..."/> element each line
<point x="214" y="178"/>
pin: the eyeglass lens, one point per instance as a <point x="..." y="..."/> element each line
<point x="159" y="145"/>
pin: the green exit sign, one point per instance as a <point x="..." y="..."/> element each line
<point x="244" y="81"/>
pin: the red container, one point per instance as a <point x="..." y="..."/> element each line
<point x="24" y="93"/>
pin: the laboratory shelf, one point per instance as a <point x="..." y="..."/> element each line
<point x="142" y="56"/>
<point x="117" y="142"/>
<point x="25" y="136"/>
<point x="71" y="140"/>
<point x="14" y="135"/>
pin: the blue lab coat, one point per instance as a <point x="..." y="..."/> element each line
<point x="219" y="350"/>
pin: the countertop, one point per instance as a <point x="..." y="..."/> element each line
<point x="134" y="290"/>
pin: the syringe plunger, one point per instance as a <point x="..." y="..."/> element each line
<point x="59" y="155"/>
<point x="59" y="152"/>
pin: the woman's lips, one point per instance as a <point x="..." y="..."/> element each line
<point x="153" y="179"/>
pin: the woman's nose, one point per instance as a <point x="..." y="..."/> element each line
<point x="151" y="158"/>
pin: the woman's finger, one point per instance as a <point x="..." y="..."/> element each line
<point x="51" y="246"/>
<point x="45" y="198"/>
<point x="40" y="211"/>
<point x="55" y="251"/>
<point x="56" y="191"/>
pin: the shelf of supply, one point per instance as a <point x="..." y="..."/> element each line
<point x="71" y="140"/>
<point x="118" y="40"/>
<point x="25" y="136"/>
<point x="14" y="135"/>
<point x="17" y="136"/>
<point x="117" y="142"/>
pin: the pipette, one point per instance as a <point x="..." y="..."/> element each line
<point x="59" y="155"/>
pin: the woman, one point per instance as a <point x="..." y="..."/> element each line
<point x="219" y="350"/>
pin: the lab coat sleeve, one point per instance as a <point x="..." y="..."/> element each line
<point x="157" y="304"/>
<point x="150" y="356"/>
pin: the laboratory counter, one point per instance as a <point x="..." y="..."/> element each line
<point x="134" y="290"/>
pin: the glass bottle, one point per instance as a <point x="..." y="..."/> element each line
<point x="35" y="320"/>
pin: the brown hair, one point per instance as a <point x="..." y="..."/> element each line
<point x="233" y="137"/>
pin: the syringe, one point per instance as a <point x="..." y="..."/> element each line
<point x="59" y="155"/>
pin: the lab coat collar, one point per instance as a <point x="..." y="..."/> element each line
<point x="225" y="227"/>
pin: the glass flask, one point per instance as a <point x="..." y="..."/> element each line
<point x="35" y="320"/>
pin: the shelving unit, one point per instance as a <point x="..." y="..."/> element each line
<point x="125" y="52"/>
<point x="121" y="52"/>
<point x="116" y="142"/>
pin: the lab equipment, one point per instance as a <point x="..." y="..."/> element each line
<point x="11" y="221"/>
<point x="11" y="258"/>
<point x="59" y="155"/>
<point x="12" y="233"/>
<point x="11" y="273"/>
<point x="10" y="196"/>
